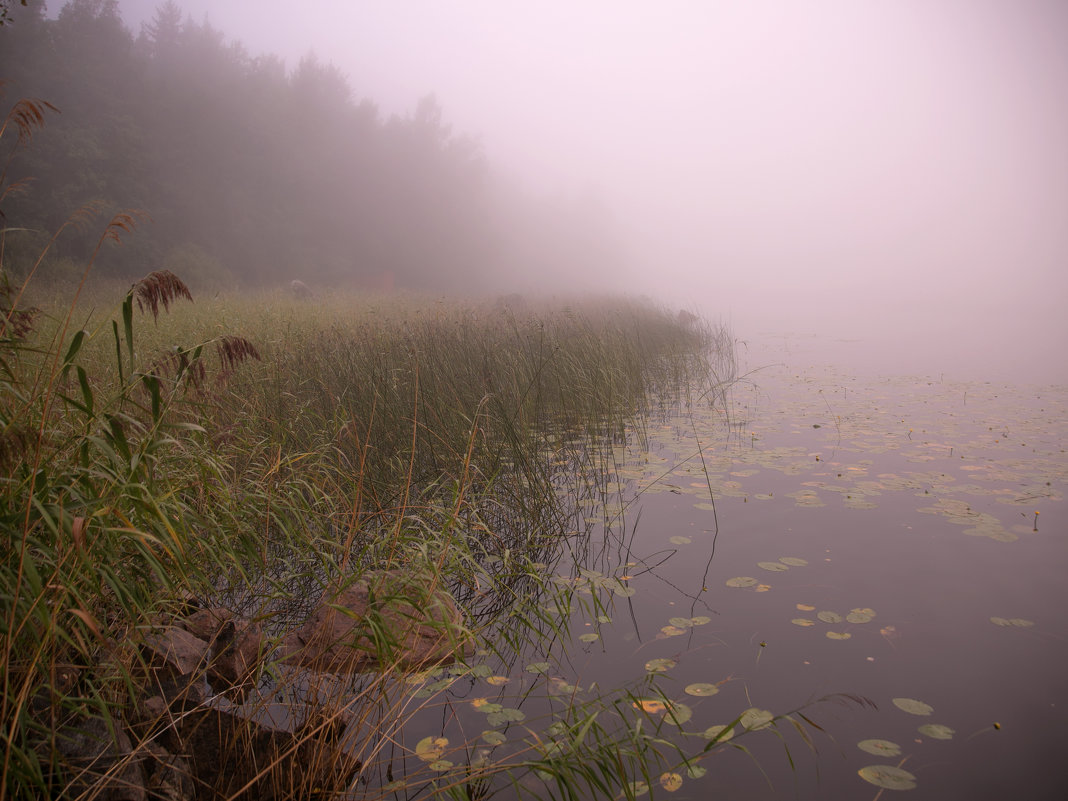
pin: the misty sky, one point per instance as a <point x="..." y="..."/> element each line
<point x="872" y="169"/>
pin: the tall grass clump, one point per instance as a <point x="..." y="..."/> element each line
<point x="255" y="457"/>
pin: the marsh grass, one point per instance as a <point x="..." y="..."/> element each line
<point x="256" y="451"/>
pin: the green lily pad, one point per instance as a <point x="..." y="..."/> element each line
<point x="753" y="719"/>
<point x="774" y="567"/>
<point x="718" y="733"/>
<point x="538" y="667"/>
<point x="680" y="622"/>
<point x="701" y="689"/>
<point x="696" y="771"/>
<point x="491" y="737"/>
<point x="793" y="561"/>
<point x="888" y="777"/>
<point x="681" y="540"/>
<point x="505" y="715"/>
<point x="913" y="707"/>
<point x="660" y="665"/>
<point x="440" y="765"/>
<point x="937" y="731"/>
<point x="700" y="620"/>
<point x="677" y="713"/>
<point x="829" y="617"/>
<point x="741" y="581"/>
<point x="1015" y="621"/>
<point x="803" y="621"/>
<point x="838" y="635"/>
<point x="861" y="615"/>
<point x="880" y="747"/>
<point x="591" y="637"/>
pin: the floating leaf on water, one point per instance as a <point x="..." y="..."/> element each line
<point x="671" y="631"/>
<point x="861" y="615"/>
<point x="829" y="617"/>
<point x="660" y="665"/>
<point x="671" y="781"/>
<point x="913" y="707"/>
<point x="558" y="686"/>
<point x="677" y="713"/>
<point x="880" y="747"/>
<point x="753" y="719"/>
<point x="556" y="728"/>
<point x="638" y="788"/>
<point x="505" y="715"/>
<point x="491" y="737"/>
<point x="806" y="607"/>
<point x="696" y="771"/>
<point x="741" y="581"/>
<point x="1019" y="621"/>
<point x="650" y="706"/>
<point x="623" y="591"/>
<point x="762" y="588"/>
<point x="838" y="635"/>
<point x="700" y="620"/>
<point x="793" y="561"/>
<point x="701" y="689"/>
<point x="679" y="540"/>
<point x="591" y="637"/>
<point x="430" y="748"/>
<point x="774" y="567"/>
<point x="604" y="619"/>
<point x="888" y="777"/>
<point x="440" y="765"/>
<point x="803" y="621"/>
<point x="681" y="622"/>
<point x="496" y="681"/>
<point x="538" y="667"/>
<point x="937" y="731"/>
<point x="718" y="733"/>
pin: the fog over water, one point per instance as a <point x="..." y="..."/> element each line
<point x="889" y="172"/>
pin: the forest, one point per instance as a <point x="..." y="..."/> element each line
<point x="254" y="173"/>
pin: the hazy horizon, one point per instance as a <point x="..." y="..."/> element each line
<point x="891" y="172"/>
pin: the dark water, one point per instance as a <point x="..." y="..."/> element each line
<point x="910" y="501"/>
<point x="883" y="530"/>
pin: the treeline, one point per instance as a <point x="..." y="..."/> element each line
<point x="255" y="173"/>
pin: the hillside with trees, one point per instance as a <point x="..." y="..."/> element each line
<point x="255" y="173"/>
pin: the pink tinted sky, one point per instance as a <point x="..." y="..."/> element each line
<point x="895" y="170"/>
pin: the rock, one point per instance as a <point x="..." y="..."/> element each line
<point x="167" y="777"/>
<point x="238" y="757"/>
<point x="236" y="645"/>
<point x="174" y="651"/>
<point x="97" y="760"/>
<point x="384" y="619"/>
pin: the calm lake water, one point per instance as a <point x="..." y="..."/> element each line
<point x="883" y="532"/>
<point x="813" y="533"/>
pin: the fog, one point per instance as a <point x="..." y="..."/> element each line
<point x="893" y="172"/>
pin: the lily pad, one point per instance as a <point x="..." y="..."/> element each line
<point x="1015" y="621"/>
<point x="677" y="713"/>
<point x="838" y="635"/>
<point x="700" y="620"/>
<point x="671" y="631"/>
<point x="888" y="777"/>
<point x="803" y="621"/>
<point x="538" y="667"/>
<point x="591" y="637"/>
<point x="937" y="731"/>
<point x="718" y="734"/>
<point x="660" y="665"/>
<point x="774" y="567"/>
<point x="861" y="615"/>
<point x="913" y="707"/>
<point x="680" y="622"/>
<point x="793" y="561"/>
<point x="491" y="737"/>
<point x="671" y="781"/>
<point x="753" y="719"/>
<point x="701" y="689"/>
<point x="741" y="581"/>
<point x="506" y="715"/>
<point x="806" y="607"/>
<point x="430" y="748"/>
<point x="440" y="765"/>
<point x="696" y="771"/>
<point x="880" y="747"/>
<point x="681" y="540"/>
<point x="829" y="617"/>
